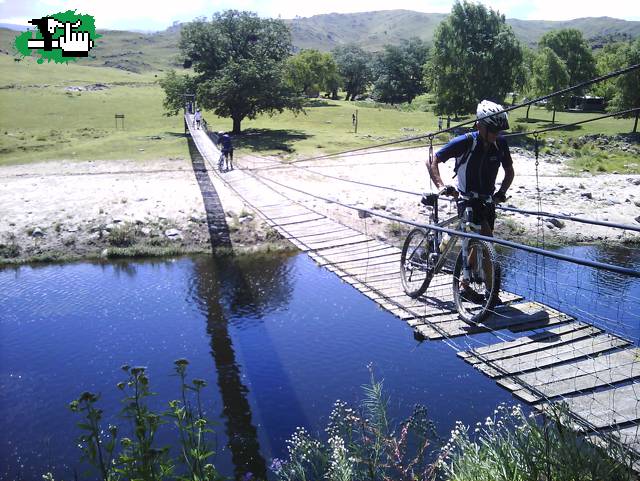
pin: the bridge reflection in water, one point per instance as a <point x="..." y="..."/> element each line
<point x="228" y="290"/>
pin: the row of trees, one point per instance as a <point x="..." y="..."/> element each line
<point x="243" y="66"/>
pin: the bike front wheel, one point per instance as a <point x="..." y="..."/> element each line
<point x="417" y="262"/>
<point x="476" y="296"/>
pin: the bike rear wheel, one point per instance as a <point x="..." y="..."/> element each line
<point x="477" y="301"/>
<point x="417" y="261"/>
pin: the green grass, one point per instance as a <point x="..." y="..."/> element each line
<point x="539" y="118"/>
<point x="39" y="120"/>
<point x="326" y="127"/>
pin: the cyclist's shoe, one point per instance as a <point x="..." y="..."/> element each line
<point x="469" y="295"/>
<point x="499" y="302"/>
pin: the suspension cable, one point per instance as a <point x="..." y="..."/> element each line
<point x="506" y="243"/>
<point x="569" y="218"/>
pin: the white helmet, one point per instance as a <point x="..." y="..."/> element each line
<point x="499" y="121"/>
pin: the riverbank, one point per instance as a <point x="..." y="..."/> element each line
<point x="68" y="210"/>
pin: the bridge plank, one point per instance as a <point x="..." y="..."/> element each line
<point x="538" y="337"/>
<point x="567" y="334"/>
<point x="554" y="355"/>
<point x="515" y="317"/>
<point x="573" y="377"/>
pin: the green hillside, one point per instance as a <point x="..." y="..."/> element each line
<point x="372" y="30"/>
<point x="140" y="52"/>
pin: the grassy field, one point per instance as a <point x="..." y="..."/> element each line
<point x="41" y="120"/>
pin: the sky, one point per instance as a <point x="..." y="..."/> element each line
<point x="159" y="14"/>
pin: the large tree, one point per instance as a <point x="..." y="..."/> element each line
<point x="571" y="47"/>
<point x="311" y="71"/>
<point x="475" y="56"/>
<point x="627" y="92"/>
<point x="398" y="71"/>
<point x="354" y="66"/>
<point x="549" y="75"/>
<point x="239" y="64"/>
<point x="608" y="59"/>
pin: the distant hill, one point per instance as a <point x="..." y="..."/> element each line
<point x="372" y="30"/>
<point x="139" y="52"/>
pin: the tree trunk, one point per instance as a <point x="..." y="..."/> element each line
<point x="236" y="125"/>
<point x="553" y="120"/>
<point x="528" y="108"/>
<point x="635" y="124"/>
<point x="334" y="94"/>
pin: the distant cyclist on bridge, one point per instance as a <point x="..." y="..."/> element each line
<point x="226" y="151"/>
<point x="479" y="156"/>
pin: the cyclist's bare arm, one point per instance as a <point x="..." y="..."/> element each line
<point x="509" y="174"/>
<point x="434" y="171"/>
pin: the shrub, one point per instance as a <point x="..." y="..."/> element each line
<point x="137" y="456"/>
<point x="511" y="446"/>
<point x="361" y="445"/>
<point x="122" y="236"/>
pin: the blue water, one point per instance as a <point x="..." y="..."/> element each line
<point x="277" y="338"/>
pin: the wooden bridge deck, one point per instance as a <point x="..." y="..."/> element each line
<point x="594" y="372"/>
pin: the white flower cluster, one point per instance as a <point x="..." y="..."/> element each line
<point x="301" y="445"/>
<point x="342" y="418"/>
<point x="340" y="464"/>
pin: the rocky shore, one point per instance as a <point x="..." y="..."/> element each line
<point x="64" y="210"/>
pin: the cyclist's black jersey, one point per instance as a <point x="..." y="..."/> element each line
<point x="476" y="169"/>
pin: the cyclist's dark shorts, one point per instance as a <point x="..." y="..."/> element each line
<point x="482" y="212"/>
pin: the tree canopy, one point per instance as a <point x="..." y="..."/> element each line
<point x="475" y="56"/>
<point x="239" y="62"/>
<point x="311" y="71"/>
<point x="622" y="92"/>
<point x="570" y="46"/>
<point x="354" y="66"/>
<point x="549" y="75"/>
<point x="398" y="71"/>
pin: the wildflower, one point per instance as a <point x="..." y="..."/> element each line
<point x="276" y="465"/>
<point x="136" y="371"/>
<point x="88" y="397"/>
<point x="199" y="382"/>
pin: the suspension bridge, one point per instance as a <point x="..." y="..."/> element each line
<point x="547" y="349"/>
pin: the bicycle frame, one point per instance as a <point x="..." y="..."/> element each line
<point x="463" y="225"/>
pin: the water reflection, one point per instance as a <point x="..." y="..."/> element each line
<point x="225" y="288"/>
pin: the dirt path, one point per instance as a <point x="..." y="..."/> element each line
<point x="60" y="209"/>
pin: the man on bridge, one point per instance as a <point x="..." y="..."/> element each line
<point x="479" y="156"/>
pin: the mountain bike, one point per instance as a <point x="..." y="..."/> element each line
<point x="476" y="272"/>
